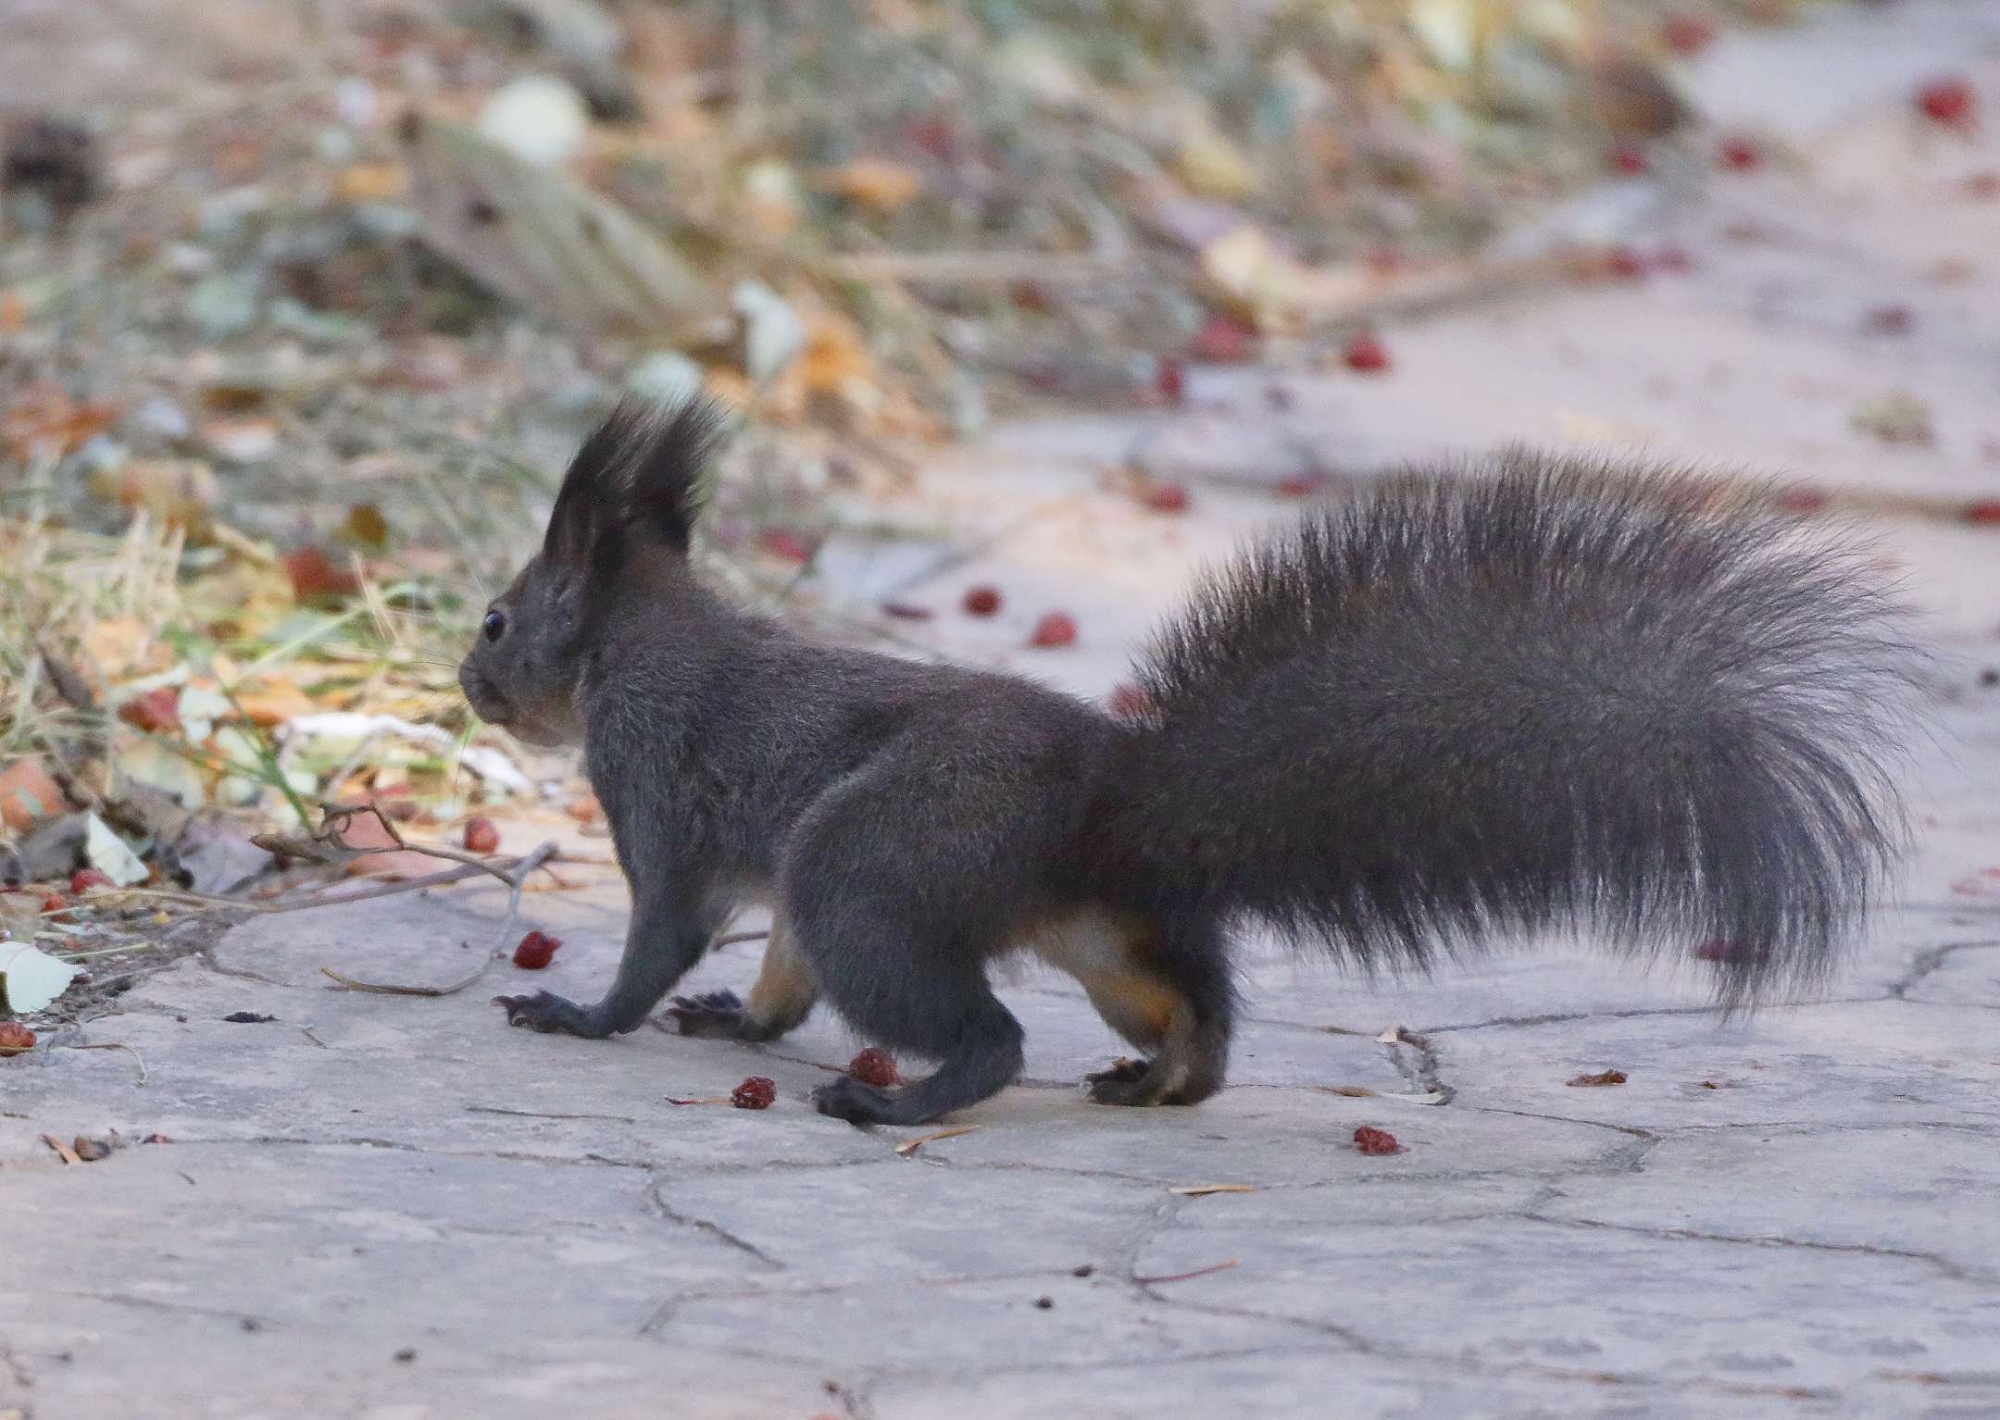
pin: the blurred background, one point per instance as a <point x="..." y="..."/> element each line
<point x="1027" y="308"/>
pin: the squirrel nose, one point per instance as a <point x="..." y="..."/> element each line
<point x="480" y="694"/>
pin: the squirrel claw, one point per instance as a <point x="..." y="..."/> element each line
<point x="716" y="1014"/>
<point x="1126" y="1082"/>
<point x="544" y="1011"/>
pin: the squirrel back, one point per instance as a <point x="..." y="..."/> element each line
<point x="1561" y="696"/>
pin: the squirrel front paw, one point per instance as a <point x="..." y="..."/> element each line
<point x="545" y="1011"/>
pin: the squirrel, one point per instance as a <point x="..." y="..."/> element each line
<point x="1561" y="695"/>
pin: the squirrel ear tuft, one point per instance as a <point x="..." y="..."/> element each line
<point x="637" y="480"/>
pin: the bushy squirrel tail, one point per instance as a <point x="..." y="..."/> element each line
<point x="1558" y="697"/>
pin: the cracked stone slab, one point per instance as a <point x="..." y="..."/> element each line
<point x="1572" y="1295"/>
<point x="1920" y="1192"/>
<point x="1833" y="1065"/>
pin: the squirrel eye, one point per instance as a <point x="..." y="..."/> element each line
<point x="495" y="623"/>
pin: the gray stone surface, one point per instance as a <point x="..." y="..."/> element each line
<point x="1790" y="1215"/>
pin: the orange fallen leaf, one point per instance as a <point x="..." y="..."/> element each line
<point x="43" y="417"/>
<point x="371" y="182"/>
<point x="882" y="184"/>
<point x="366" y="831"/>
<point x="28" y="794"/>
<point x="278" y="702"/>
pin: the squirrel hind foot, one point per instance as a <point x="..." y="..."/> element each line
<point x="849" y="1099"/>
<point x="715" y="1015"/>
<point x="1132" y="1083"/>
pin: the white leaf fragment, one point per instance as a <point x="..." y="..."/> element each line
<point x="109" y="855"/>
<point x="30" y="978"/>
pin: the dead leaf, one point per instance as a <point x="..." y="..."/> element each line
<point x="278" y="703"/>
<point x="121" y="647"/>
<point x="28" y="794"/>
<point x="43" y="419"/>
<point x="181" y="493"/>
<point x="1897" y="419"/>
<point x="63" y="1151"/>
<point x="365" y="528"/>
<point x="242" y="440"/>
<point x="365" y="831"/>
<point x="881" y="184"/>
<point x="1202" y="1190"/>
<point x="371" y="182"/>
<point x="1602" y="1077"/>
<point x="317" y="578"/>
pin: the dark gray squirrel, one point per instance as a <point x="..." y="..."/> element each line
<point x="1548" y="695"/>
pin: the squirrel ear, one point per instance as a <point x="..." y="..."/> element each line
<point x="636" y="480"/>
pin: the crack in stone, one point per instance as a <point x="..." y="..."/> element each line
<point x="1954" y="1270"/>
<point x="1928" y="961"/>
<point x="1476" y="1369"/>
<point x="247" y="1320"/>
<point x="709" y="1226"/>
<point x="539" y="1114"/>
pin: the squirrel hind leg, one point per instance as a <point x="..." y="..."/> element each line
<point x="1175" y="1005"/>
<point x="782" y="997"/>
<point x="984" y="1058"/>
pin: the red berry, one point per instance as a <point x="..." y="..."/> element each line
<point x="1628" y="158"/>
<point x="1674" y="259"/>
<point x="154" y="710"/>
<point x="875" y="1067"/>
<point x="1985" y="513"/>
<point x="982" y="601"/>
<point x="1056" y="628"/>
<point x="1165" y="497"/>
<point x="1948" y="101"/>
<point x="782" y="542"/>
<point x="1799" y="498"/>
<point x="1740" y="154"/>
<point x="1725" y="951"/>
<point x="15" y="1038"/>
<point x="482" y="835"/>
<point x="1222" y="340"/>
<point x="84" y="879"/>
<point x="1624" y="263"/>
<point x="1385" y="261"/>
<point x="54" y="902"/>
<point x="1128" y="701"/>
<point x="1686" y="32"/>
<point x="1984" y="186"/>
<point x="1366" y="353"/>
<point x="1170" y="380"/>
<point x="1298" y="485"/>
<point x="754" y="1093"/>
<point x="536" y="950"/>
<point x="1370" y="1140"/>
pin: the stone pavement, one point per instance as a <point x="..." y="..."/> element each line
<point x="377" y="1206"/>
